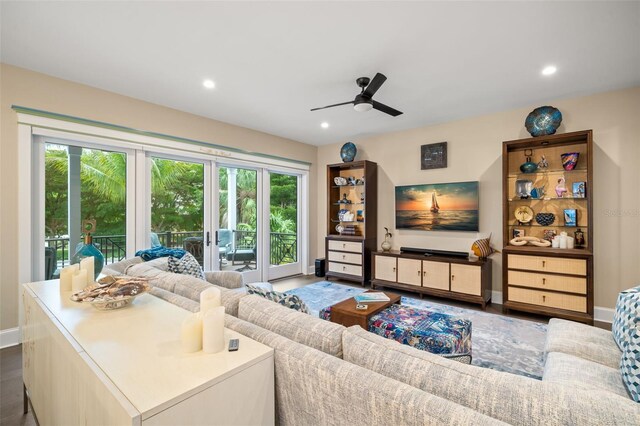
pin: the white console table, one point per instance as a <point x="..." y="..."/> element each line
<point x="125" y="367"/>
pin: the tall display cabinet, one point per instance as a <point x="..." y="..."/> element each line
<point x="557" y="282"/>
<point x="352" y="206"/>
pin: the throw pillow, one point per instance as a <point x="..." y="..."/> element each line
<point x="187" y="265"/>
<point x="289" y="300"/>
<point x="627" y="315"/>
<point x="630" y="363"/>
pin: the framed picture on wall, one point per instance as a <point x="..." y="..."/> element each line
<point x="433" y="156"/>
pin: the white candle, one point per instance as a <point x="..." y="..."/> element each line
<point x="555" y="243"/>
<point x="563" y="241"/>
<point x="213" y="330"/>
<point x="65" y="276"/>
<point x="191" y="333"/>
<point x="210" y="298"/>
<point x="88" y="265"/>
<point x="79" y="280"/>
<point x="570" y="242"/>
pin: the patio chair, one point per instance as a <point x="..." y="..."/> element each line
<point x="195" y="246"/>
<point x="224" y="244"/>
<point x="244" y="249"/>
<point x="50" y="263"/>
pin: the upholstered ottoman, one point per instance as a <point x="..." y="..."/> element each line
<point x="437" y="333"/>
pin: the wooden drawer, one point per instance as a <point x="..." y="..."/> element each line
<point x="548" y="282"/>
<point x="557" y="265"/>
<point x="345" y="269"/>
<point x="548" y="299"/>
<point x="435" y="275"/>
<point x="337" y="256"/>
<point x="351" y="246"/>
<point x="466" y="279"/>
<point x="410" y="271"/>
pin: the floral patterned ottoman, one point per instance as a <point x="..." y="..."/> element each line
<point x="434" y="332"/>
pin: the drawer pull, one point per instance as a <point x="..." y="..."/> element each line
<point x="544" y="281"/>
<point x="344" y="256"/>
<point x="344" y="268"/>
<point x="544" y="263"/>
<point x="544" y="298"/>
<point x="345" y="246"/>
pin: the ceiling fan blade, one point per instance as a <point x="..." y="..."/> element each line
<point x="334" y="105"/>
<point x="375" y="84"/>
<point x="386" y="109"/>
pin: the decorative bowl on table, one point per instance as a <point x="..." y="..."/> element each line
<point x="543" y="121"/>
<point x="348" y="152"/>
<point x="111" y="293"/>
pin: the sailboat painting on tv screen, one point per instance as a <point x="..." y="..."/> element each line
<point x="438" y="207"/>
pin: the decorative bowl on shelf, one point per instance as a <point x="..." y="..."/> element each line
<point x="545" y="219"/>
<point x="569" y="160"/>
<point x="340" y="181"/>
<point x="348" y="152"/>
<point x="543" y="121"/>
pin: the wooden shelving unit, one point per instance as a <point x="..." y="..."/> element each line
<point x="349" y="256"/>
<point x="544" y="280"/>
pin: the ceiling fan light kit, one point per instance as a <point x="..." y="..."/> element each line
<point x="363" y="101"/>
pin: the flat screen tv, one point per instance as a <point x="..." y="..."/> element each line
<point x="438" y="207"/>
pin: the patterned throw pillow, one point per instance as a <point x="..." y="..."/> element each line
<point x="630" y="363"/>
<point x="289" y="300"/>
<point x="627" y="315"/>
<point x="187" y="265"/>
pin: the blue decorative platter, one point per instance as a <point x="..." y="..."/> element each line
<point x="348" y="152"/>
<point x="543" y="120"/>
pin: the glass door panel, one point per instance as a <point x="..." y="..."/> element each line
<point x="82" y="183"/>
<point x="284" y="225"/>
<point x="177" y="206"/>
<point x="237" y="235"/>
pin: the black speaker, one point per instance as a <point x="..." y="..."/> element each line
<point x="320" y="267"/>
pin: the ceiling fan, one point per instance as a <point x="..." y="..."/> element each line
<point x="363" y="101"/>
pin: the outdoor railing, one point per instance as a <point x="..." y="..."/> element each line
<point x="284" y="246"/>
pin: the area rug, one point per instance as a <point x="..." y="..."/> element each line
<point x="499" y="342"/>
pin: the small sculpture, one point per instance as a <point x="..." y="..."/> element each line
<point x="528" y="166"/>
<point x="521" y="241"/>
<point x="543" y="163"/>
<point x="579" y="236"/>
<point x="386" y="244"/>
<point x="561" y="188"/>
<point x="345" y="200"/>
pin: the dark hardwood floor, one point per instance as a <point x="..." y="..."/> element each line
<point x="11" y="358"/>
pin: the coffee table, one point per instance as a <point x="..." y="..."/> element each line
<point x="345" y="312"/>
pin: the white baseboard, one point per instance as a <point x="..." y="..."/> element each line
<point x="9" y="337"/>
<point x="603" y="314"/>
<point x="311" y="270"/>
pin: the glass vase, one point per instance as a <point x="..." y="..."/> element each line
<point x="88" y="250"/>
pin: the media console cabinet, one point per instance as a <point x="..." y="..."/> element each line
<point x="126" y="367"/>
<point x="449" y="277"/>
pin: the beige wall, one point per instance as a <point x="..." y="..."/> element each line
<point x="29" y="89"/>
<point x="475" y="154"/>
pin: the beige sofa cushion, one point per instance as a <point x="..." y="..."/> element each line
<point x="579" y="373"/>
<point x="583" y="341"/>
<point x="513" y="399"/>
<point x="313" y="388"/>
<point x="177" y="300"/>
<point x="302" y="328"/>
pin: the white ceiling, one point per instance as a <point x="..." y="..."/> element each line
<point x="272" y="62"/>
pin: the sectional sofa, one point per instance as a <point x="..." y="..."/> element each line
<point x="329" y="374"/>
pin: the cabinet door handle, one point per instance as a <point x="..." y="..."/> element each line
<point x="394" y="269"/>
<point x="424" y="273"/>
<point x="418" y="273"/>
<point x="453" y="277"/>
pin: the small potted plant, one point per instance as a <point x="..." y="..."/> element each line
<point x="386" y="244"/>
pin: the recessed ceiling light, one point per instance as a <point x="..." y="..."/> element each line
<point x="324" y="125"/>
<point x="548" y="70"/>
<point x="209" y="84"/>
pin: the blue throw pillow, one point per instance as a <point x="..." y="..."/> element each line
<point x="627" y="315"/>
<point x="187" y="265"/>
<point x="630" y="364"/>
<point x="289" y="300"/>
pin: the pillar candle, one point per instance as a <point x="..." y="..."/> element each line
<point x="209" y="298"/>
<point x="65" y="276"/>
<point x="191" y="333"/>
<point x="555" y="243"/>
<point x="570" y="242"/>
<point x="88" y="265"/>
<point x="563" y="241"/>
<point x="213" y="330"/>
<point x="79" y="280"/>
